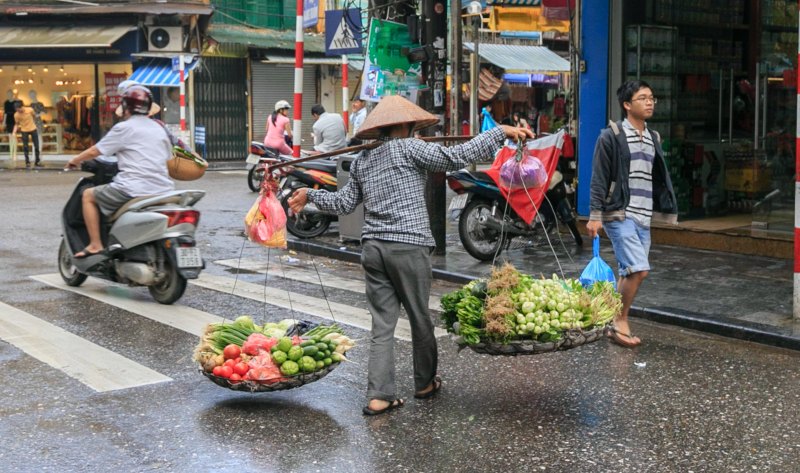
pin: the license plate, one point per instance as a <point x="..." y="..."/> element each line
<point x="252" y="159"/>
<point x="189" y="257"/>
<point x="458" y="202"/>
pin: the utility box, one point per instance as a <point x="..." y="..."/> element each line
<point x="349" y="225"/>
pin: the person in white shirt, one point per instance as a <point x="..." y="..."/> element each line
<point x="142" y="147"/>
<point x="329" y="131"/>
<point x="358" y="116"/>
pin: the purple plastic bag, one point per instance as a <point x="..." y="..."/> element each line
<point x="527" y="173"/>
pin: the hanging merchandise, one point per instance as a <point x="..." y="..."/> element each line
<point x="516" y="314"/>
<point x="387" y="70"/>
<point x="265" y="223"/>
<point x="487" y="122"/>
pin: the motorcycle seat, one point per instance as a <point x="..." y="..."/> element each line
<point x="321" y="165"/>
<point x="182" y="197"/>
<point x="482" y="176"/>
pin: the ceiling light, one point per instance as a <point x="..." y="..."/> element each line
<point x="61" y="69"/>
<point x="45" y="69"/>
<point x="30" y="69"/>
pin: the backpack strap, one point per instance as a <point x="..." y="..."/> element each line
<point x="657" y="135"/>
<point x="614" y="127"/>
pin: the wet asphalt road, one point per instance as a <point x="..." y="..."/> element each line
<point x="683" y="401"/>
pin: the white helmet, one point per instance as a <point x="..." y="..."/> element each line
<point x="125" y="85"/>
<point x="281" y="104"/>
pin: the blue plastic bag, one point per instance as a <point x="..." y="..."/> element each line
<point x="488" y="122"/>
<point x="597" y="269"/>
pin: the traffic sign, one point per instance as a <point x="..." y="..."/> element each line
<point x="343" y="32"/>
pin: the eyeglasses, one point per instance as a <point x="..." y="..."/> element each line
<point x="645" y="100"/>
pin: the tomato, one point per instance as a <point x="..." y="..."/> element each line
<point x="232" y="351"/>
<point x="238" y="359"/>
<point x="235" y="378"/>
<point x="225" y="371"/>
<point x="230" y="363"/>
<point x="240" y="369"/>
<point x="217" y="371"/>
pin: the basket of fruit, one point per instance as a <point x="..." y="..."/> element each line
<point x="516" y="314"/>
<point x="243" y="356"/>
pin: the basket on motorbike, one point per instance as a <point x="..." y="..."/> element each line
<point x="186" y="166"/>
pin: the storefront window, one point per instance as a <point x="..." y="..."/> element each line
<point x="63" y="95"/>
<point x="724" y="72"/>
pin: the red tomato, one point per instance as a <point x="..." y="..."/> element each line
<point x="240" y="369"/>
<point x="217" y="371"/>
<point x="230" y="363"/>
<point x="231" y="352"/>
<point x="235" y="378"/>
<point x="238" y="359"/>
<point x="225" y="371"/>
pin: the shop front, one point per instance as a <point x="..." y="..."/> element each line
<point x="725" y="76"/>
<point x="69" y="76"/>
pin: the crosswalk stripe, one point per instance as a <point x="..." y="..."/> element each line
<point x="343" y="313"/>
<point x="184" y="318"/>
<point x="286" y="271"/>
<point x="97" y="367"/>
<point x="237" y="172"/>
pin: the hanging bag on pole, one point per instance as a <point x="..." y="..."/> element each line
<point x="597" y="269"/>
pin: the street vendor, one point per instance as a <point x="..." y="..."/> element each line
<point x="396" y="238"/>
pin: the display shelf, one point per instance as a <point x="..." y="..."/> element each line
<point x="50" y="130"/>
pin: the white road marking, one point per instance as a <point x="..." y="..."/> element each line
<point x="184" y="318"/>
<point x="307" y="275"/>
<point x="97" y="367"/>
<point x="342" y="313"/>
<point x="237" y="172"/>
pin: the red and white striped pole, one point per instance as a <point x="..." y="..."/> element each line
<point x="796" y="292"/>
<point x="181" y="70"/>
<point x="345" y="95"/>
<point x="298" y="81"/>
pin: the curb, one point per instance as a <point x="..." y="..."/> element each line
<point x="685" y="319"/>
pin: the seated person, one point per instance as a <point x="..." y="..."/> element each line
<point x="142" y="147"/>
<point x="329" y="131"/>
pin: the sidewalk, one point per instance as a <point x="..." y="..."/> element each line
<point x="739" y="296"/>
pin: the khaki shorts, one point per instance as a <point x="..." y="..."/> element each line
<point x="109" y="200"/>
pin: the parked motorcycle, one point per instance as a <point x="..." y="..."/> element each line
<point x="149" y="241"/>
<point x="487" y="224"/>
<point x="317" y="174"/>
<point x="259" y="157"/>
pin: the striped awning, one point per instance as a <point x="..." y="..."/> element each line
<point x="526" y="3"/>
<point x="524" y="59"/>
<point x="158" y="72"/>
<point x="61" y="36"/>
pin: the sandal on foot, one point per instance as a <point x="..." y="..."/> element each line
<point x="397" y="403"/>
<point x="437" y="385"/>
<point x="621" y="338"/>
<point x="86" y="253"/>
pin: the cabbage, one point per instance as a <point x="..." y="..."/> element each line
<point x="528" y="173"/>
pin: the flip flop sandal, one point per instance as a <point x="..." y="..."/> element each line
<point x="621" y="338"/>
<point x="396" y="404"/>
<point x="437" y="385"/>
<point x="85" y="254"/>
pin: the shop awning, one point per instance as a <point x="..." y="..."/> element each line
<point x="523" y="59"/>
<point x="159" y="73"/>
<point x="526" y="3"/>
<point x="61" y="37"/>
<point x="263" y="38"/>
<point x="354" y="64"/>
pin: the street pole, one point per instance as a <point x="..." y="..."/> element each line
<point x="796" y="291"/>
<point x="474" y="71"/>
<point x="345" y="94"/>
<point x="181" y="69"/>
<point x="455" y="67"/>
<point x="298" y="81"/>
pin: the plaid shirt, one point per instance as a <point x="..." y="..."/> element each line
<point x="390" y="180"/>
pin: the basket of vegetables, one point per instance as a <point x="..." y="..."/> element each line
<point x="243" y="356"/>
<point x="185" y="165"/>
<point x="516" y="314"/>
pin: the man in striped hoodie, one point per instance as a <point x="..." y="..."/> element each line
<point x="630" y="188"/>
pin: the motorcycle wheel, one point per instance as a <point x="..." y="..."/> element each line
<point x="254" y="179"/>
<point x="305" y="225"/>
<point x="69" y="273"/>
<point x="171" y="288"/>
<point x="576" y="235"/>
<point x="480" y="241"/>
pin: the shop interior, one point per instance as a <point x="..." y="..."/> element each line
<point x="63" y="96"/>
<point x="725" y="74"/>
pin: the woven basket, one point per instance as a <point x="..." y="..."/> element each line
<point x="571" y="339"/>
<point x="256" y="387"/>
<point x="183" y="168"/>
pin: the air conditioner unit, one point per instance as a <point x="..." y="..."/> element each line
<point x="165" y="38"/>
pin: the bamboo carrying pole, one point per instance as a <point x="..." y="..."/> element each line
<point x="366" y="146"/>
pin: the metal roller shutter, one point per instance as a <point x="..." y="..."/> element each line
<point x="273" y="82"/>
<point x="221" y="107"/>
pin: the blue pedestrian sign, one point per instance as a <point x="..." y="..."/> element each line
<point x="343" y="32"/>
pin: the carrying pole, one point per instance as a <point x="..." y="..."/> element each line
<point x="796" y="291"/>
<point x="298" y="82"/>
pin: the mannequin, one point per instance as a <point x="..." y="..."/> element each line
<point x="8" y="119"/>
<point x="38" y="109"/>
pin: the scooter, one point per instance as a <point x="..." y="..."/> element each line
<point x="259" y="157"/>
<point x="149" y="241"/>
<point x="487" y="224"/>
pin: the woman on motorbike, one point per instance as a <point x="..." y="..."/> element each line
<point x="278" y="125"/>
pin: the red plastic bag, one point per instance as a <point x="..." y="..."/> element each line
<point x="265" y="223"/>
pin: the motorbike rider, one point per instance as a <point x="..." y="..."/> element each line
<point x="278" y="125"/>
<point x="396" y="238"/>
<point x="142" y="147"/>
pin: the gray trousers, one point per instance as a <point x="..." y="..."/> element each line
<point x="398" y="273"/>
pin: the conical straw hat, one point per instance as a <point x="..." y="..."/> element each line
<point x="394" y="110"/>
